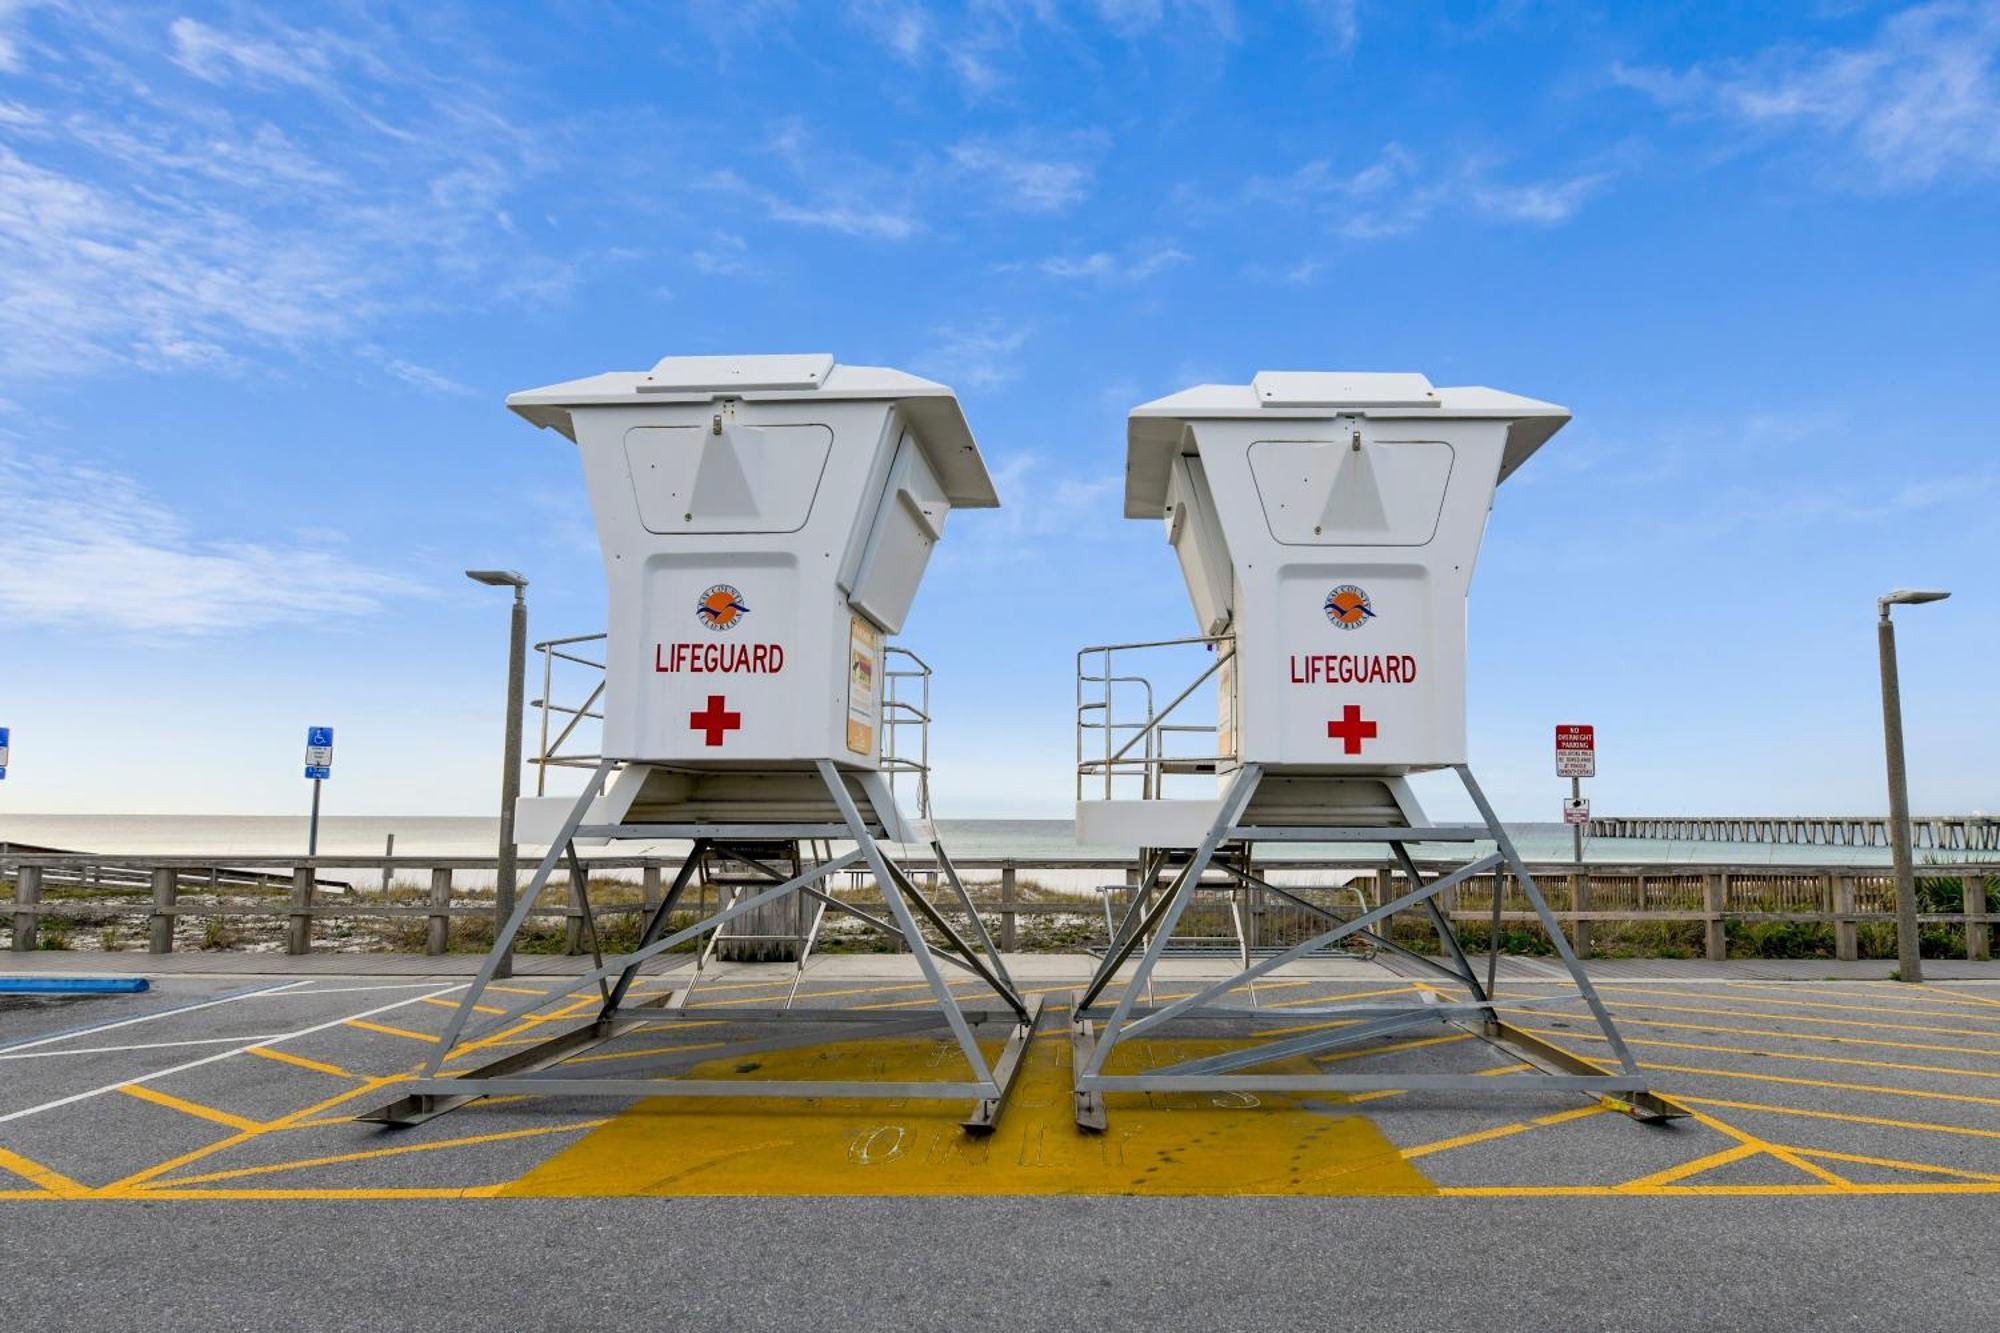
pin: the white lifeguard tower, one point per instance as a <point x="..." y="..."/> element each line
<point x="1327" y="525"/>
<point x="765" y="522"/>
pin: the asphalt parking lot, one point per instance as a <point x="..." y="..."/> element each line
<point x="200" y="1139"/>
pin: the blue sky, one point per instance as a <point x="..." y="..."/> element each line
<point x="266" y="276"/>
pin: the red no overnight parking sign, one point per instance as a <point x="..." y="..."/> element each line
<point x="1576" y="750"/>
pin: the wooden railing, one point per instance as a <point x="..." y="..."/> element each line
<point x="305" y="892"/>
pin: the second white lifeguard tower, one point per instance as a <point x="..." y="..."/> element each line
<point x="765" y="522"/>
<point x="1326" y="525"/>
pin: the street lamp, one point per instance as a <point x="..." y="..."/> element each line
<point x="508" y="869"/>
<point x="1909" y="961"/>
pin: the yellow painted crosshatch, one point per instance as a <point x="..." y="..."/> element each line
<point x="864" y="654"/>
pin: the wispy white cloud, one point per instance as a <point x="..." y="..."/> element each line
<point x="219" y="57"/>
<point x="1299" y="273"/>
<point x="1917" y="104"/>
<point x="1106" y="267"/>
<point x="1024" y="178"/>
<point x="423" y="377"/>
<point x="983" y="43"/>
<point x="837" y="210"/>
<point x="1399" y="191"/>
<point x="1038" y="502"/>
<point x="1340" y="20"/>
<point x="827" y="188"/>
<point x="723" y="254"/>
<point x="1556" y="200"/>
<point x="977" y="355"/>
<point x="13" y="18"/>
<point x="146" y="218"/>
<point x="89" y="548"/>
<point x="903" y="27"/>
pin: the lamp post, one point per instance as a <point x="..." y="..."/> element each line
<point x="1909" y="961"/>
<point x="508" y="869"/>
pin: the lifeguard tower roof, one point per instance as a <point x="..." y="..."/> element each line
<point x="1154" y="430"/>
<point x="931" y="409"/>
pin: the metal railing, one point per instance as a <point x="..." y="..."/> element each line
<point x="1100" y="704"/>
<point x="904" y="674"/>
<point x="900" y="714"/>
<point x="550" y="754"/>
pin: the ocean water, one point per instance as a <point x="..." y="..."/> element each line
<point x="252" y="836"/>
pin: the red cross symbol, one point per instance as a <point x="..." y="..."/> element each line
<point x="1351" y="730"/>
<point x="716" y="720"/>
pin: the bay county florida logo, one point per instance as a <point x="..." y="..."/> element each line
<point x="1348" y="607"/>
<point x="721" y="608"/>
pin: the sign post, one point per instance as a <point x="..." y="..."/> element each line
<point x="4" y="742"/>
<point x="1576" y="759"/>
<point x="319" y="767"/>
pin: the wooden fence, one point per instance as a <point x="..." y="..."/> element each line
<point x="306" y="891"/>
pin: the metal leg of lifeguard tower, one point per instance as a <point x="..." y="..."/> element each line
<point x="1624" y="1089"/>
<point x="433" y="1092"/>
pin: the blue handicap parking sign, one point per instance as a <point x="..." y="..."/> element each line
<point x="323" y="773"/>
<point x="319" y="735"/>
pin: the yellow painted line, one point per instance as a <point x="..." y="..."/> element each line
<point x="502" y="1037"/>
<point x="321" y="1122"/>
<point x="303" y="1195"/>
<point x="1503" y="1131"/>
<point x="389" y="1030"/>
<point x="1744" y="993"/>
<point x="1336" y="999"/>
<point x="1767" y="1033"/>
<point x="1894" y="1164"/>
<point x="337" y="1159"/>
<point x="1734" y="1153"/>
<point x="282" y="1122"/>
<point x="460" y="1052"/>
<point x="1624" y="1007"/>
<point x="50" y="1181"/>
<point x="1355" y="1098"/>
<point x="317" y="1066"/>
<point x="1824" y="1083"/>
<point x="1865" y="1008"/>
<point x="1766" y="1146"/>
<point x="1701" y="1191"/>
<point x="1844" y="1116"/>
<point x="147" y="1093"/>
<point x="526" y="1023"/>
<point x="1744" y="1136"/>
<point x="443" y="1003"/>
<point x="1966" y="996"/>
<point x="645" y="1050"/>
<point x="1768" y="1055"/>
<point x="832" y="994"/>
<point x="517" y="990"/>
<point x="1390" y="1048"/>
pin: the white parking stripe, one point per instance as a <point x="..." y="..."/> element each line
<point x="147" y="1018"/>
<point x="348" y="990"/>
<point x="74" y="1098"/>
<point x="136" y="1046"/>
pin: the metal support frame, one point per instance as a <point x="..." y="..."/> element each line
<point x="535" y="1069"/>
<point x="1624" y="1088"/>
